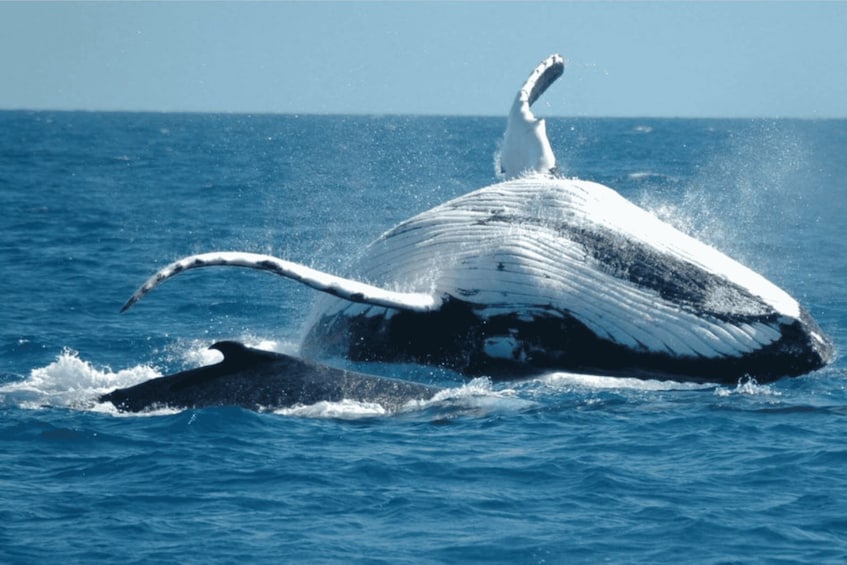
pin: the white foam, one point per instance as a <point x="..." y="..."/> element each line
<point x="747" y="387"/>
<point x="71" y="382"/>
<point x="344" y="409"/>
<point x="601" y="382"/>
<point x="476" y="395"/>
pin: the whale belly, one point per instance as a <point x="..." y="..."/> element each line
<point x="545" y="273"/>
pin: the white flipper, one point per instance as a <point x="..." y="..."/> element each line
<point x="525" y="147"/>
<point x="348" y="289"/>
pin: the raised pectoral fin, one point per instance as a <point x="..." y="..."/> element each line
<point x="542" y="77"/>
<point x="348" y="289"/>
<point x="525" y="148"/>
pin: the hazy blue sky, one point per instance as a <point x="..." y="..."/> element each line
<point x="732" y="59"/>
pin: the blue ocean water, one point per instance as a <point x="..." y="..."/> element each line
<point x="559" y="469"/>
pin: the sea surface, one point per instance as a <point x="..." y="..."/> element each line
<point x="562" y="468"/>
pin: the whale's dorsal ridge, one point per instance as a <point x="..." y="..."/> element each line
<point x="525" y="148"/>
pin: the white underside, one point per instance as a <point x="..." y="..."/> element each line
<point x="527" y="268"/>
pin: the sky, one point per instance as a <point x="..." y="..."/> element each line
<point x="637" y="59"/>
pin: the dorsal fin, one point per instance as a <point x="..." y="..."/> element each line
<point x="525" y="148"/>
<point x="236" y="354"/>
<point x="233" y="351"/>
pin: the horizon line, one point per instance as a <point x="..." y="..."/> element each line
<point x="415" y="114"/>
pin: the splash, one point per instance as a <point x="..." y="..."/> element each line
<point x="740" y="195"/>
<point x="572" y="381"/>
<point x="71" y="382"/>
<point x="747" y="387"/>
<point x="343" y="410"/>
<point x="477" y="397"/>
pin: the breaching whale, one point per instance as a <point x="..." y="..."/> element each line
<point x="539" y="273"/>
<point x="263" y="380"/>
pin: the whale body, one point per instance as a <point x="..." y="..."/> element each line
<point x="540" y="273"/>
<point x="263" y="380"/>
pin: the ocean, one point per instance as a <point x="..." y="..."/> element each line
<point x="562" y="468"/>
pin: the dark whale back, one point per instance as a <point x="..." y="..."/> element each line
<point x="257" y="380"/>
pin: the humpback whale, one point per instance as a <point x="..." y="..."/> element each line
<point x="263" y="380"/>
<point x="539" y="272"/>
